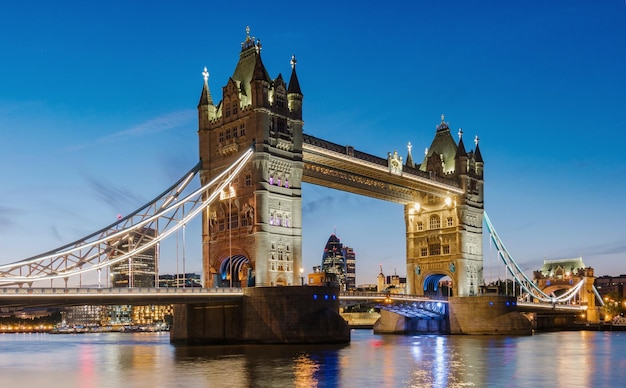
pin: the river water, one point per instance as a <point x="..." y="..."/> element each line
<point x="561" y="359"/>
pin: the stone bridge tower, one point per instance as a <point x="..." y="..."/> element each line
<point x="444" y="234"/>
<point x="253" y="235"/>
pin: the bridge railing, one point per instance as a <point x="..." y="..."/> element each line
<point x="356" y="295"/>
<point x="116" y="291"/>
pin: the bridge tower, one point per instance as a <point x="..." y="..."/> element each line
<point x="444" y="234"/>
<point x="253" y="236"/>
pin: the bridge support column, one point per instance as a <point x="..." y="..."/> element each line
<point x="487" y="315"/>
<point x="265" y="315"/>
<point x="393" y="323"/>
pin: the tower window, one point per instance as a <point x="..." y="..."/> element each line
<point x="235" y="107"/>
<point x="234" y="130"/>
<point x="280" y="100"/>
<point x="234" y="221"/>
<point x="434" y="222"/>
<point x="281" y="126"/>
<point x="242" y="129"/>
<point x="424" y="251"/>
<point x="435" y="249"/>
<point x="450" y="221"/>
<point x="420" y="226"/>
<point x="446" y="249"/>
<point x="248" y="180"/>
<point x="221" y="136"/>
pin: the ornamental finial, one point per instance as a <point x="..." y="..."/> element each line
<point x="460" y="133"/>
<point x="247" y="32"/>
<point x="205" y="75"/>
<point x="293" y="61"/>
<point x="409" y="146"/>
<point x="476" y="140"/>
<point x="442" y="117"/>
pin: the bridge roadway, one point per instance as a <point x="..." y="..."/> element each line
<point x="21" y="297"/>
<point x="30" y="297"/>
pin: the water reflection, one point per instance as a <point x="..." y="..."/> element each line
<point x="263" y="365"/>
<point x="567" y="359"/>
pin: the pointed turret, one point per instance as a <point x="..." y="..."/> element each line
<point x="477" y="156"/>
<point x="260" y="81"/>
<point x="294" y="94"/>
<point x="205" y="96"/>
<point x="294" y="84"/>
<point x="461" y="155"/>
<point x="409" y="157"/>
<point x="206" y="109"/>
<point x="444" y="148"/>
<point x="460" y="148"/>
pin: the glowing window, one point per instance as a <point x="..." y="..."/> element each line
<point x="435" y="222"/>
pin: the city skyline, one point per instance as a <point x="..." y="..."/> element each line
<point x="98" y="115"/>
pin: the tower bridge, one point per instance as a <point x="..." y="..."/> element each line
<point x="254" y="157"/>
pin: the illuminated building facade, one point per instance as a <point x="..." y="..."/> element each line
<point x="333" y="262"/>
<point x="140" y="270"/>
<point x="350" y="255"/>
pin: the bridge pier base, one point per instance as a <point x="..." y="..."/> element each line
<point x="264" y="315"/>
<point x="393" y="323"/>
<point x="487" y="315"/>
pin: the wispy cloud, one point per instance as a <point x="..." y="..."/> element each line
<point x="117" y="198"/>
<point x="6" y="217"/>
<point x="613" y="248"/>
<point x="311" y="206"/>
<point x="158" y="124"/>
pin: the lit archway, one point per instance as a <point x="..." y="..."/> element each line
<point x="238" y="268"/>
<point x="438" y="285"/>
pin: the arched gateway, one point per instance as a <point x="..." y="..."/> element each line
<point x="259" y="221"/>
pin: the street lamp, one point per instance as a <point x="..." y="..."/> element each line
<point x="229" y="222"/>
<point x="302" y="276"/>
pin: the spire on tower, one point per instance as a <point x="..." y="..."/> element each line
<point x="409" y="157"/>
<point x="294" y="85"/>
<point x="205" y="97"/>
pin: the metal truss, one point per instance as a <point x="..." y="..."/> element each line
<point x="138" y="232"/>
<point x="420" y="309"/>
<point x="531" y="289"/>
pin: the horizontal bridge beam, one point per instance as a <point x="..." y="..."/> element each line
<point x="343" y="168"/>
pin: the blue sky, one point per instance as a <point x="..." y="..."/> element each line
<point x="97" y="113"/>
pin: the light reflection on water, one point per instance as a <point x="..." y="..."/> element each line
<point x="566" y="359"/>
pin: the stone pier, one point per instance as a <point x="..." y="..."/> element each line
<point x="392" y="323"/>
<point x="487" y="315"/>
<point x="264" y="315"/>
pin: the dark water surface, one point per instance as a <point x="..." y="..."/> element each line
<point x="565" y="359"/>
